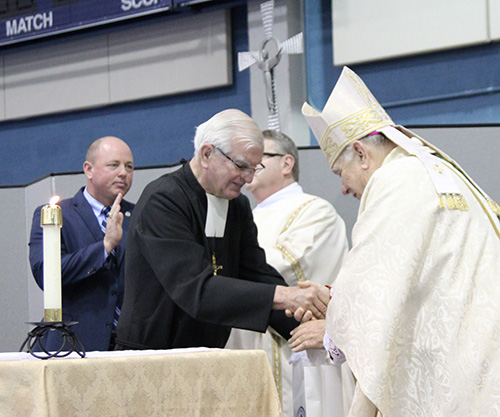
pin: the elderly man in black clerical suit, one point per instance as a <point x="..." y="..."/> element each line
<point x="194" y="268"/>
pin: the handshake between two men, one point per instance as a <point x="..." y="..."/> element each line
<point x="308" y="303"/>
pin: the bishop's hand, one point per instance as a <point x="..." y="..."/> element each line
<point x="308" y="335"/>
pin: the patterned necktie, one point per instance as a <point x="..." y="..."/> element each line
<point x="116" y="317"/>
<point x="105" y="212"/>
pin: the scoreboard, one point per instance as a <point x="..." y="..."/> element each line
<point x="22" y="20"/>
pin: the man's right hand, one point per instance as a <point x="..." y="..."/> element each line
<point x="114" y="231"/>
<point x="306" y="297"/>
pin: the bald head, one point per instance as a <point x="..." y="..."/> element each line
<point x="108" y="166"/>
<point x="94" y="147"/>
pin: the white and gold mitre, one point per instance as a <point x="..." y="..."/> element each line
<point x="350" y="113"/>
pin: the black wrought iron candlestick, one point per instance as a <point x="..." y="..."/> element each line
<point x="34" y="343"/>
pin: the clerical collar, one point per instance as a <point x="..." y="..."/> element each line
<point x="292" y="189"/>
<point x="216" y="216"/>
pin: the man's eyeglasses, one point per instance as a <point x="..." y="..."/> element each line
<point x="243" y="169"/>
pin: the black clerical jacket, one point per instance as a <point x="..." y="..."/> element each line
<point x="172" y="297"/>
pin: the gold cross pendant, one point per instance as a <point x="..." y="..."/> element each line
<point x="214" y="264"/>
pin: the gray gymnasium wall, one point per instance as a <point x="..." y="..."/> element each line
<point x="475" y="148"/>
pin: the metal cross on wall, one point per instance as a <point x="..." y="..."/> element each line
<point x="268" y="57"/>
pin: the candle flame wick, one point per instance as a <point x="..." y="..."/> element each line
<point x="54" y="200"/>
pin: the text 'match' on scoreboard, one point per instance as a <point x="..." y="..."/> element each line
<point x="22" y="20"/>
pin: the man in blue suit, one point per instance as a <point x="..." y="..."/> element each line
<point x="92" y="246"/>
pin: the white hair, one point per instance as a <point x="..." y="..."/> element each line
<point x="227" y="127"/>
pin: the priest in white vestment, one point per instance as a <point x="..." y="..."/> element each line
<point x="304" y="239"/>
<point x="415" y="308"/>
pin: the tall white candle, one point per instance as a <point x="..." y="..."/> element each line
<point x="51" y="222"/>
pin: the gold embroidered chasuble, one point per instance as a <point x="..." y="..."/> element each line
<point x="415" y="307"/>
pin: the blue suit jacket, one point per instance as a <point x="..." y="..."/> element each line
<point x="91" y="286"/>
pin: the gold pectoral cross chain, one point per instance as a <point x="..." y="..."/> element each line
<point x="214" y="264"/>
